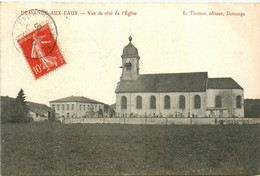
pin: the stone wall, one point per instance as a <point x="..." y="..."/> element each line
<point x="166" y="121"/>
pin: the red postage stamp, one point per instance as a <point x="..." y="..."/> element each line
<point x="41" y="51"/>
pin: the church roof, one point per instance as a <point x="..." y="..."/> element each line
<point x="223" y="83"/>
<point x="80" y="99"/>
<point x="130" y="50"/>
<point x="173" y="82"/>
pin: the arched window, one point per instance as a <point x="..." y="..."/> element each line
<point x="123" y="102"/>
<point x="239" y="101"/>
<point x="167" y="102"/>
<point x="138" y="102"/>
<point x="218" y="102"/>
<point x="153" y="102"/>
<point x="197" y="102"/>
<point x="182" y="102"/>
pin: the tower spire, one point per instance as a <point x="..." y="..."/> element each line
<point x="130" y="62"/>
<point x="130" y="38"/>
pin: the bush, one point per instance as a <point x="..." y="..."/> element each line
<point x="18" y="119"/>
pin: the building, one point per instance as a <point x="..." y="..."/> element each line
<point x="77" y="106"/>
<point x="174" y="94"/>
<point x="38" y="112"/>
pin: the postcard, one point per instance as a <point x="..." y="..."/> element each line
<point x="129" y="88"/>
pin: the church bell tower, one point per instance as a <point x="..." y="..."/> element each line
<point x="130" y="62"/>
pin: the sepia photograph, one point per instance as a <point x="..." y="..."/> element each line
<point x="130" y="88"/>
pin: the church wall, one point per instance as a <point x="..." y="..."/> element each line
<point x="228" y="101"/>
<point x="239" y="112"/>
<point x="160" y="111"/>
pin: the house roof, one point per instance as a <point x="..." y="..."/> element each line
<point x="38" y="108"/>
<point x="173" y="82"/>
<point x="76" y="99"/>
<point x="223" y="83"/>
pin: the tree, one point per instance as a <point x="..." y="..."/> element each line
<point x="252" y="108"/>
<point x="21" y="112"/>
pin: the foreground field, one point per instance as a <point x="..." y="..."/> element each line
<point x="88" y="149"/>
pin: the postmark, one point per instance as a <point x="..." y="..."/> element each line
<point x="35" y="36"/>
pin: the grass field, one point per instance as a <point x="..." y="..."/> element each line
<point x="88" y="149"/>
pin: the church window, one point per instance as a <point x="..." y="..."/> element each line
<point x="123" y="102"/>
<point x="58" y="107"/>
<point x="84" y="107"/>
<point x="218" y="102"/>
<point x="63" y="107"/>
<point x="79" y="107"/>
<point x="68" y="106"/>
<point x="181" y="102"/>
<point x="72" y="107"/>
<point x="138" y="102"/>
<point x="167" y="102"/>
<point x="153" y="102"/>
<point x="239" y="101"/>
<point x="197" y="102"/>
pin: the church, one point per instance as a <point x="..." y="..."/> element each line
<point x="174" y="94"/>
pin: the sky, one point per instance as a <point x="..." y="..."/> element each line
<point x="167" y="41"/>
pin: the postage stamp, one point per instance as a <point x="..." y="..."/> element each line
<point x="35" y="36"/>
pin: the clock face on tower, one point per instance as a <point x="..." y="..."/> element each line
<point x="128" y="65"/>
